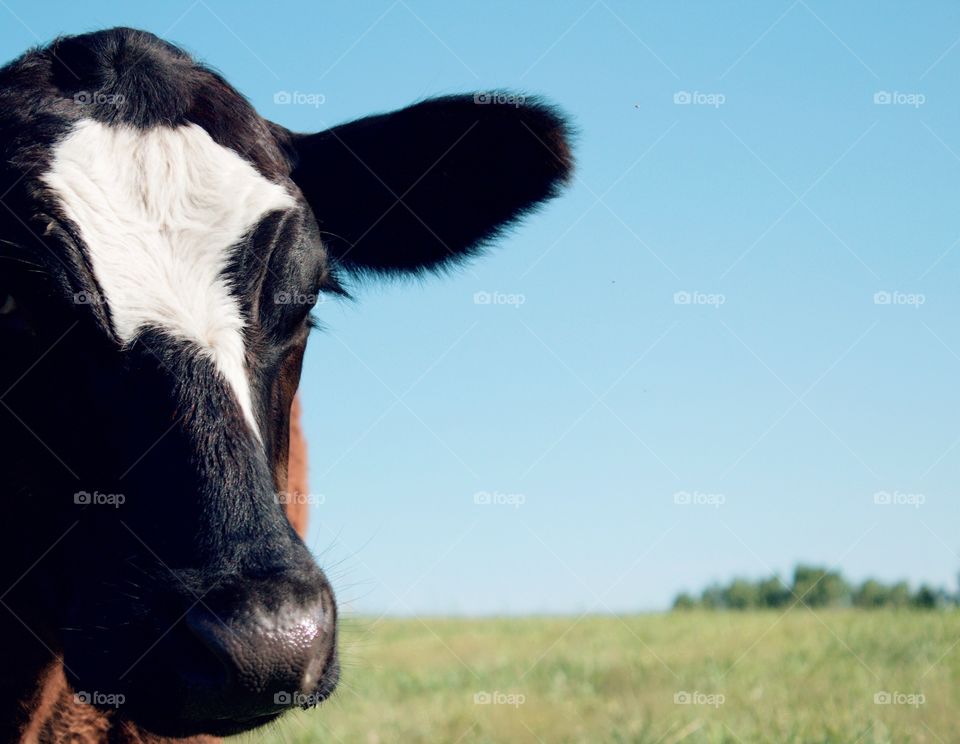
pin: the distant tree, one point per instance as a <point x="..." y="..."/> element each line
<point x="741" y="594"/>
<point x="926" y="598"/>
<point x="712" y="598"/>
<point x="819" y="587"/>
<point x="871" y="594"/>
<point x="805" y="579"/>
<point x="773" y="592"/>
<point x="684" y="601"/>
<point x="899" y="595"/>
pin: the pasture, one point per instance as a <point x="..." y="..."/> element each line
<point x="748" y="677"/>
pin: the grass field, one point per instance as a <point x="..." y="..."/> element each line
<point x="753" y="677"/>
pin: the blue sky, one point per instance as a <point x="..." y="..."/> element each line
<point x="777" y="164"/>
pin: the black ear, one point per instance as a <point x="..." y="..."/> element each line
<point x="430" y="184"/>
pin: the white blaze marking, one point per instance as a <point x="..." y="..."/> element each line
<point x="159" y="211"/>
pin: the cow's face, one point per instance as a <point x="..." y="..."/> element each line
<point x="161" y="247"/>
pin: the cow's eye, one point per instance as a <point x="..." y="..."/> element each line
<point x="8" y="303"/>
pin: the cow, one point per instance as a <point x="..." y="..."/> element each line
<point x="161" y="248"/>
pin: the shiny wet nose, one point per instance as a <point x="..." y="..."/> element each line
<point x="268" y="660"/>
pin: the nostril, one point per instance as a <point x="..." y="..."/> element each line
<point x="212" y="634"/>
<point x="259" y="647"/>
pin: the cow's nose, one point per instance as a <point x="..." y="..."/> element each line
<point x="269" y="659"/>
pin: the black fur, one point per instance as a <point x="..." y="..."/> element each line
<point x="431" y="184"/>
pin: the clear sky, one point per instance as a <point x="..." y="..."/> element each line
<point x="780" y="162"/>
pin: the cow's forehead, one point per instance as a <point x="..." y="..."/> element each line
<point x="126" y="77"/>
<point x="161" y="213"/>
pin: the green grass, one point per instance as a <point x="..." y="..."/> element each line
<point x="799" y="677"/>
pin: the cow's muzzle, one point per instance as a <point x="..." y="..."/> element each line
<point x="242" y="654"/>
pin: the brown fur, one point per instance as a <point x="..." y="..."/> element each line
<point x="56" y="718"/>
<point x="297" y="477"/>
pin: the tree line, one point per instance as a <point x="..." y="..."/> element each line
<point x="814" y="586"/>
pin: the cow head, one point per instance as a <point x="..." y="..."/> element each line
<point x="161" y="245"/>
